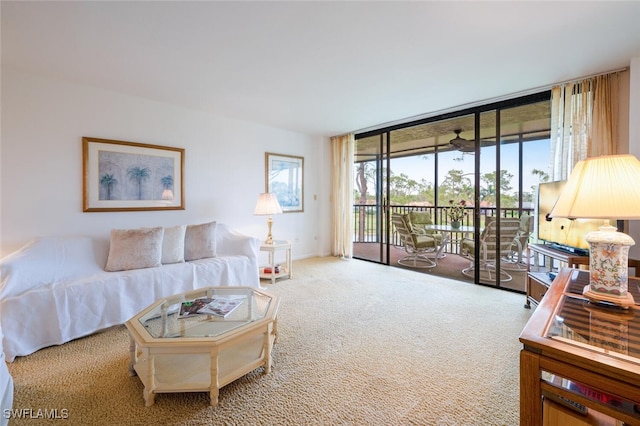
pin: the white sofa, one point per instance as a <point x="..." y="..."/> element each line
<point x="6" y="387"/>
<point x="56" y="289"/>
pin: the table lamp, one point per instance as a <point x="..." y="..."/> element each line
<point x="268" y="205"/>
<point x="601" y="188"/>
<point x="167" y="194"/>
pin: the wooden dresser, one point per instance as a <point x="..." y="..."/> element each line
<point x="577" y="354"/>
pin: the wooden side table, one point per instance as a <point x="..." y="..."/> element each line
<point x="286" y="270"/>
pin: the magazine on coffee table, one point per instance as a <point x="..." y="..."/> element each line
<point x="192" y="307"/>
<point x="218" y="305"/>
<point x="221" y="306"/>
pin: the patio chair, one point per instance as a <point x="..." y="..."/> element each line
<point x="493" y="246"/>
<point x="419" y="224"/>
<point x="515" y="259"/>
<point x="418" y="246"/>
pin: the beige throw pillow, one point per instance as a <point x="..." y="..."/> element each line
<point x="200" y="241"/>
<point x="135" y="249"/>
<point x="173" y="244"/>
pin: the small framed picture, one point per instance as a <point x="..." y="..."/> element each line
<point x="130" y="176"/>
<point x="285" y="178"/>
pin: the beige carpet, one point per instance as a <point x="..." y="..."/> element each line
<point x="360" y="343"/>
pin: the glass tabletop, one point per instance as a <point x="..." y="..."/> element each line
<point x="606" y="329"/>
<point x="208" y="312"/>
<point x="449" y="228"/>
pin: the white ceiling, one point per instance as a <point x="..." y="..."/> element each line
<point x="322" y="68"/>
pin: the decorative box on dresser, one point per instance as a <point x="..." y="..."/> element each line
<point x="546" y="259"/>
<point x="580" y="362"/>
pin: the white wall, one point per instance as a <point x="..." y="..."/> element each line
<point x="44" y="120"/>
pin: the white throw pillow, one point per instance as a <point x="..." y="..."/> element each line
<point x="135" y="249"/>
<point x="200" y="241"/>
<point x="173" y="244"/>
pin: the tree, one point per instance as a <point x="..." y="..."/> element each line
<point x="529" y="196"/>
<point x="426" y="192"/>
<point x="455" y="186"/>
<point x="167" y="182"/>
<point x="363" y="175"/>
<point x="362" y="182"/>
<point x="488" y="190"/>
<point x="402" y="189"/>
<point x="542" y="175"/>
<point x="139" y="174"/>
<point x="108" y="181"/>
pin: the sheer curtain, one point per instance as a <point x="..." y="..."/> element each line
<point x="342" y="156"/>
<point x="584" y="119"/>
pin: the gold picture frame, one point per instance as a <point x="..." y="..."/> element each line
<point x="131" y="176"/>
<point x="284" y="176"/>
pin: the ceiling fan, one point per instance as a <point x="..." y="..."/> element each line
<point x="461" y="144"/>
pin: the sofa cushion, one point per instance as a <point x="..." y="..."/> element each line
<point x="420" y="219"/>
<point x="200" y="241"/>
<point x="135" y="249"/>
<point x="173" y="244"/>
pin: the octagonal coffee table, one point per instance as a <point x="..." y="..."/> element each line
<point x="197" y="353"/>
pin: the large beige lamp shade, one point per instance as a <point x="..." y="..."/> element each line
<point x="268" y="205"/>
<point x="601" y="188"/>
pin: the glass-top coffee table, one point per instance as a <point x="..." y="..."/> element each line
<point x="171" y="352"/>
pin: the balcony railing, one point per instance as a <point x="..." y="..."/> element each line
<point x="368" y="227"/>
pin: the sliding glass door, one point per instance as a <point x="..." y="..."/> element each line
<point x="371" y="197"/>
<point x="487" y="160"/>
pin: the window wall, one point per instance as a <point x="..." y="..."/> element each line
<point x="490" y="157"/>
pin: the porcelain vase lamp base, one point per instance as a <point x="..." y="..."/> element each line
<point x="608" y="267"/>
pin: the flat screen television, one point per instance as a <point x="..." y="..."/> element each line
<point x="561" y="233"/>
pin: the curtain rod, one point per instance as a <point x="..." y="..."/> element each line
<point x="482" y="102"/>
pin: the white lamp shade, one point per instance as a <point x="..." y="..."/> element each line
<point x="267" y="204"/>
<point x="602" y="188"/>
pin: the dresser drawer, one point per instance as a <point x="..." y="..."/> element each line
<point x="537" y="289"/>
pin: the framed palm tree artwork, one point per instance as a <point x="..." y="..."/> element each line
<point x="129" y="176"/>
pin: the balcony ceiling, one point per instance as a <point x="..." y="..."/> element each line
<point x="320" y="68"/>
<point x="522" y="123"/>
